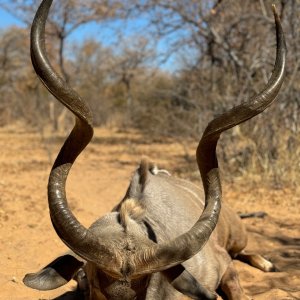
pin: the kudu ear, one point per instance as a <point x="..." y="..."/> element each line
<point x="54" y="275"/>
<point x="185" y="283"/>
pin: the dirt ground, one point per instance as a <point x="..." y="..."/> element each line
<point x="97" y="182"/>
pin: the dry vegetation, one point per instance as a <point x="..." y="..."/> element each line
<point x="223" y="52"/>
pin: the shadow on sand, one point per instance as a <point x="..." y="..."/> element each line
<point x="75" y="295"/>
<point x="284" y="252"/>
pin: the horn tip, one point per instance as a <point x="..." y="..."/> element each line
<point x="275" y="11"/>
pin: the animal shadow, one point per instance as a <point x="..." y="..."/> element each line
<point x="73" y="295"/>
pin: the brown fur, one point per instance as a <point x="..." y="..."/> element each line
<point x="146" y="165"/>
<point x="132" y="209"/>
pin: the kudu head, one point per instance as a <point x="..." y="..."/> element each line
<point x="123" y="258"/>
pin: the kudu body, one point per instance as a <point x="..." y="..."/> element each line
<point x="167" y="237"/>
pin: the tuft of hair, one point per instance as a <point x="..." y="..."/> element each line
<point x="146" y="165"/>
<point x="131" y="209"/>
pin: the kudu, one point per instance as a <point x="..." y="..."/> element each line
<point x="167" y="237"/>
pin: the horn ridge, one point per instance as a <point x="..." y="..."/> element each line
<point x="68" y="228"/>
<point x="161" y="257"/>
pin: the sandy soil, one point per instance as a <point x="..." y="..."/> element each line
<point x="97" y="182"/>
